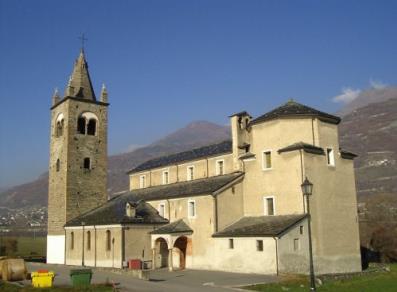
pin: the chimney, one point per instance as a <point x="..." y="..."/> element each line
<point x="239" y="124"/>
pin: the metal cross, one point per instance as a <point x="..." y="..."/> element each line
<point x="83" y="39"/>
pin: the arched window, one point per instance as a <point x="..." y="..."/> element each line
<point x="81" y="125"/>
<point x="59" y="128"/>
<point x="87" y="124"/>
<point x="88" y="240"/>
<point x="59" y="125"/>
<point x="72" y="240"/>
<point x="87" y="163"/>
<point x="58" y="165"/>
<point x="108" y="240"/>
<point x="91" y="127"/>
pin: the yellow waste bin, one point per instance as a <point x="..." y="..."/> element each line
<point x="42" y="279"/>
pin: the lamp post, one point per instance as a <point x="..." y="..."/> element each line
<point x="82" y="260"/>
<point x="307" y="189"/>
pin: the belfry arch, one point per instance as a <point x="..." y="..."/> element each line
<point x="87" y="124"/>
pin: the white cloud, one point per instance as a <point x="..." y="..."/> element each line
<point x="377" y="84"/>
<point x="348" y="94"/>
<point x="132" y="147"/>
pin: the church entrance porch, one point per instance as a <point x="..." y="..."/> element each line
<point x="170" y="250"/>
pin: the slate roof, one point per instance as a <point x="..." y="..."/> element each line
<point x="175" y="227"/>
<point x="206" y="151"/>
<point x="309" y="148"/>
<point x="185" y="189"/>
<point x="113" y="212"/>
<point x="294" y="109"/>
<point x="260" y="226"/>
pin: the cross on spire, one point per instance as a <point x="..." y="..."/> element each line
<point x="83" y="39"/>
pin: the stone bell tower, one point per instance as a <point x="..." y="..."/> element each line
<point x="78" y="156"/>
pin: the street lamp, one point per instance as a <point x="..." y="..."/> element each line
<point x="307" y="189"/>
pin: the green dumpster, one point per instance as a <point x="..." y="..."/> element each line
<point x="81" y="277"/>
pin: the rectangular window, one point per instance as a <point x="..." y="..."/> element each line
<point x="162" y="209"/>
<point x="87" y="163"/>
<point x="220" y="167"/>
<point x="259" y="245"/>
<point x="267" y="159"/>
<point x="296" y="244"/>
<point x="190" y="172"/>
<point x="330" y="157"/>
<point x="269" y="205"/>
<point x="166" y="175"/>
<point x="142" y="181"/>
<point x="231" y="243"/>
<point x="301" y="229"/>
<point x="191" y="209"/>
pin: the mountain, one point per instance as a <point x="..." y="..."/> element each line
<point x="371" y="132"/>
<point x="195" y="134"/>
<point x="366" y="97"/>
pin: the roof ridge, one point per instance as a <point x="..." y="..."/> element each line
<point x="293" y="109"/>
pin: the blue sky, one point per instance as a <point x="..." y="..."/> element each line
<point x="167" y="63"/>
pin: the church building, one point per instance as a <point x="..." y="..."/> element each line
<point x="234" y="206"/>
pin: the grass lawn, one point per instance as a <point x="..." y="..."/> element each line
<point x="13" y="288"/>
<point x="27" y="245"/>
<point x="377" y="282"/>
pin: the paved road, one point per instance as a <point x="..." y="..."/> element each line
<point x="162" y="280"/>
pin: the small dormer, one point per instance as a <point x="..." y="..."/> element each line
<point x="130" y="209"/>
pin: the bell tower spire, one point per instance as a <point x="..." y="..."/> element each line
<point x="80" y="84"/>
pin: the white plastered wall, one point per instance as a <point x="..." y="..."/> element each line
<point x="55" y="249"/>
<point x="243" y="258"/>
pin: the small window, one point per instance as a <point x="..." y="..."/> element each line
<point x="81" y="125"/>
<point x="162" y="209"/>
<point x="88" y="240"/>
<point x="190" y="172"/>
<point x="87" y="163"/>
<point x="58" y="165"/>
<point x="108" y="240"/>
<point x="91" y="127"/>
<point x="267" y="160"/>
<point x="330" y="157"/>
<point x="296" y="244"/>
<point x="231" y="243"/>
<point x="72" y="240"/>
<point x="220" y="167"/>
<point x="191" y="209"/>
<point x="269" y="205"/>
<point x="142" y="181"/>
<point x="259" y="245"/>
<point x="166" y="175"/>
<point x="301" y="229"/>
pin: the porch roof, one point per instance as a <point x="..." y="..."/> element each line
<point x="260" y="226"/>
<point x="178" y="226"/>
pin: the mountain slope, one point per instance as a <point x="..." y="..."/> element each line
<point x="195" y="134"/>
<point x="366" y="97"/>
<point x="371" y="132"/>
